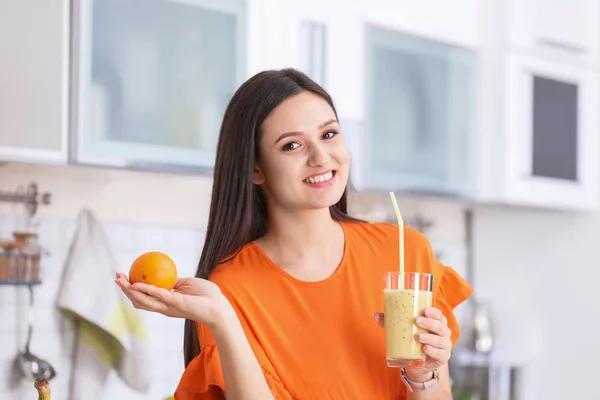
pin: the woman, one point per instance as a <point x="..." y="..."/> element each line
<point x="284" y="303"/>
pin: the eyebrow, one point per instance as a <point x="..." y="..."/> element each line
<point x="296" y="133"/>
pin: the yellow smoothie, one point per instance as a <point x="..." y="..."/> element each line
<point x="402" y="307"/>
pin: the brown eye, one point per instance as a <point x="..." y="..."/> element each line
<point x="290" y="146"/>
<point x="329" y="134"/>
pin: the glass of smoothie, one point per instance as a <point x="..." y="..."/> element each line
<point x="405" y="300"/>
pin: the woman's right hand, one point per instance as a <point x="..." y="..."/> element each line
<point x="193" y="298"/>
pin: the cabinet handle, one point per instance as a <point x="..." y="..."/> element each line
<point x="313" y="47"/>
<point x="571" y="48"/>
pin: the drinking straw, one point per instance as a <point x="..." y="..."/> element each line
<point x="401" y="234"/>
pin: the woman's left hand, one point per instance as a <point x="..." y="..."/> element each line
<point x="437" y="345"/>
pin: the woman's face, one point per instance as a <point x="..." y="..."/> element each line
<point x="303" y="157"/>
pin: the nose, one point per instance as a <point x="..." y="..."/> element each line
<point x="318" y="156"/>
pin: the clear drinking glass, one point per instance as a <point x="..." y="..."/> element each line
<point x="402" y="306"/>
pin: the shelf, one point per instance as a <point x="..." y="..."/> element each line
<point x="19" y="282"/>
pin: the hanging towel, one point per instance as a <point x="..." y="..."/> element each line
<point x="110" y="333"/>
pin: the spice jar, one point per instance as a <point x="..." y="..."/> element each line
<point x="28" y="264"/>
<point x="10" y="256"/>
<point x="4" y="261"/>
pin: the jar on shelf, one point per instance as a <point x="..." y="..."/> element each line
<point x="10" y="259"/>
<point x="28" y="265"/>
<point x="4" y="261"/>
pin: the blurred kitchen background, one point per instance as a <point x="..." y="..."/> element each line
<point x="481" y="115"/>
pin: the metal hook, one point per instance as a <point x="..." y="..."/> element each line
<point x="32" y="198"/>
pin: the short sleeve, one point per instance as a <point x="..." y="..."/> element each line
<point x="450" y="289"/>
<point x="203" y="378"/>
<point x="451" y="292"/>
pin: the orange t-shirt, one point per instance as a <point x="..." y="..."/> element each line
<point x="318" y="340"/>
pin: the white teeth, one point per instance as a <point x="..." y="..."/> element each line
<point x="320" y="178"/>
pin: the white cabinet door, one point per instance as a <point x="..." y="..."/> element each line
<point x="267" y="36"/>
<point x="562" y="29"/>
<point x="304" y="34"/>
<point x="325" y="40"/>
<point x="153" y="79"/>
<point x="455" y="22"/>
<point x="346" y="61"/>
<point x="552" y="134"/>
<point x="420" y="115"/>
<point x="34" y="48"/>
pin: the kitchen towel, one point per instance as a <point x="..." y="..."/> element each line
<point x="110" y="333"/>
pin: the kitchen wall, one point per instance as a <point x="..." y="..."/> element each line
<point x="540" y="273"/>
<point x="169" y="216"/>
<point x="53" y="334"/>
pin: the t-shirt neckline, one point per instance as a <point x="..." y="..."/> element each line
<point x="334" y="276"/>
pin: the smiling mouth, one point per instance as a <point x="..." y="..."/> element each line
<point x="320" y="178"/>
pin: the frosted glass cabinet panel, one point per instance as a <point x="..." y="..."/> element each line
<point x="420" y="115"/>
<point x="153" y="78"/>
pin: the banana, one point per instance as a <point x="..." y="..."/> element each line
<point x="43" y="388"/>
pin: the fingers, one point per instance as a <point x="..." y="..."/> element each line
<point x="378" y="316"/>
<point x="434" y="322"/>
<point x="435" y="341"/>
<point x="433" y="326"/>
<point x="142" y="301"/>
<point x="160" y="293"/>
<point x="139" y="298"/>
<point x="121" y="278"/>
<point x="441" y="355"/>
<point x="436" y="313"/>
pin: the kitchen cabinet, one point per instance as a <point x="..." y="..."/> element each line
<point x="33" y="81"/>
<point x="552" y="125"/>
<point x="152" y="85"/>
<point x="420" y="116"/>
<point x="405" y="84"/>
<point x="496" y="124"/>
<point x="538" y="138"/>
<point x="492" y="100"/>
<point x="549" y="138"/>
<point x="152" y="80"/>
<point x="455" y="22"/>
<point x="148" y="88"/>
<point x="564" y="29"/>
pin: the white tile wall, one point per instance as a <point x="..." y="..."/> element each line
<point x="53" y="334"/>
<point x="540" y="273"/>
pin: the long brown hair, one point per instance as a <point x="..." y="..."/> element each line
<point x="238" y="212"/>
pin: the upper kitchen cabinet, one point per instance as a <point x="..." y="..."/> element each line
<point x="539" y="145"/>
<point x="538" y="139"/>
<point x="551" y="123"/>
<point x="455" y="22"/>
<point x="560" y="29"/>
<point x="420" y="115"/>
<point x="34" y="91"/>
<point x="151" y="79"/>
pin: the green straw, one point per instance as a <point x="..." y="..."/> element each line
<point x="401" y="234"/>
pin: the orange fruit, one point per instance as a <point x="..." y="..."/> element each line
<point x="154" y="268"/>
